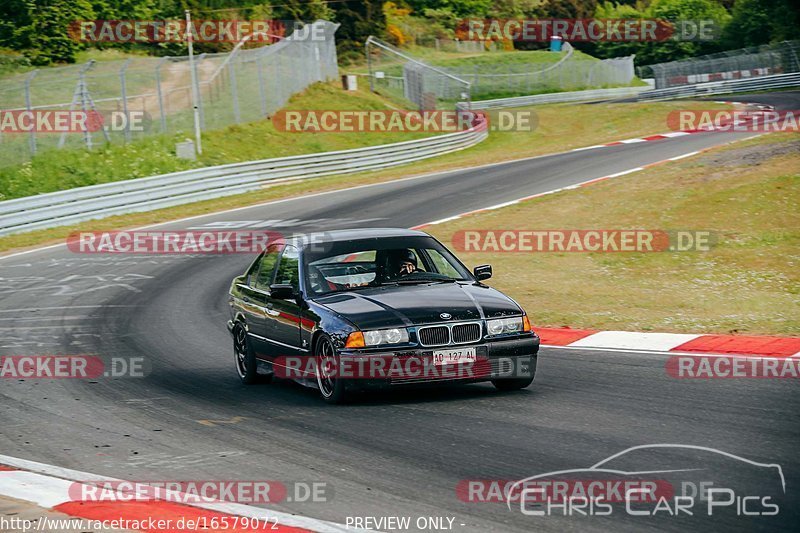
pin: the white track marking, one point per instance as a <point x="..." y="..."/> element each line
<point x="633" y="351"/>
<point x="629" y="171"/>
<point x="30" y="309"/>
<point x="43" y="491"/>
<point x="48" y="486"/>
<point x="634" y="340"/>
<point x="683" y="156"/>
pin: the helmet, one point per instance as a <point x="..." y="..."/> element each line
<point x="398" y="257"/>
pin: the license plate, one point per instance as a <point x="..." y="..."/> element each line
<point x="454" y="357"/>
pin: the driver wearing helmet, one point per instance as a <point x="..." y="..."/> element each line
<point x="402" y="263"/>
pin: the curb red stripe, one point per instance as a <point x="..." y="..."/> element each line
<point x="4" y="468"/>
<point x="168" y="511"/>
<point x="562" y="336"/>
<point x="591" y="182"/>
<point x="743" y="345"/>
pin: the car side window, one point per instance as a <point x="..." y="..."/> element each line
<point x="264" y="278"/>
<point x="442" y="265"/>
<point x="289" y="268"/>
<point x="253" y="272"/>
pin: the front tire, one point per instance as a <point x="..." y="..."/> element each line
<point x="512" y="384"/>
<point x="244" y="355"/>
<point x="332" y="388"/>
<point x="517" y="383"/>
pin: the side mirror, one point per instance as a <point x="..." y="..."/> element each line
<point x="482" y="272"/>
<point x="281" y="291"/>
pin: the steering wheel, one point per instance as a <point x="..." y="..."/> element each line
<point x="355" y="270"/>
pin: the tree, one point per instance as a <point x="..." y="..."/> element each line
<point x="358" y="21"/>
<point x="45" y="38"/>
<point x="755" y="22"/>
<point x="676" y="12"/>
<point x="460" y="8"/>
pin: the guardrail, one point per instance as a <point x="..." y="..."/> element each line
<point x="155" y="192"/>
<point x="761" y="83"/>
<point x="553" y="98"/>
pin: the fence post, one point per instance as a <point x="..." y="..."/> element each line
<point x="200" y="59"/>
<point x="278" y="77"/>
<point x="235" y="92"/>
<point x="83" y="89"/>
<point x="29" y="107"/>
<point x="369" y="66"/>
<point x="161" y="110"/>
<point x="122" y="71"/>
<point x="262" y="91"/>
<point x="317" y="62"/>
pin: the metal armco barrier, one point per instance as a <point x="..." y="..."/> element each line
<point x="554" y="98"/>
<point x="155" y="192"/>
<point x="761" y="83"/>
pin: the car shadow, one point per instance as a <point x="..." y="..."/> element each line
<point x="406" y="394"/>
<point x="219" y="387"/>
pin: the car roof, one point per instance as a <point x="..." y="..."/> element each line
<point x="356" y="234"/>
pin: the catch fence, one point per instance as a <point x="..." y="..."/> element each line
<point x="234" y="87"/>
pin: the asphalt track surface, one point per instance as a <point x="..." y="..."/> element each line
<point x="394" y="453"/>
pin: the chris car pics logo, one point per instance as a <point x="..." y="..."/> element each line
<point x="657" y="480"/>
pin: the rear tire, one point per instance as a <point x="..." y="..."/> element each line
<point x="332" y="389"/>
<point x="244" y="356"/>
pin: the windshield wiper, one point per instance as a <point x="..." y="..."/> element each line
<point x="358" y="287"/>
<point x="429" y="280"/>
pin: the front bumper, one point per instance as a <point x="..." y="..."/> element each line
<point x="497" y="359"/>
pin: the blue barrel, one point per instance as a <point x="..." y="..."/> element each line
<point x="555" y="43"/>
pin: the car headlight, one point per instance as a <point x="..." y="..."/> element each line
<point x="385" y="336"/>
<point x="504" y="325"/>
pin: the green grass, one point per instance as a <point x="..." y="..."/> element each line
<point x="55" y="170"/>
<point x="745" y="194"/>
<point x="519" y="57"/>
<point x="560" y="127"/>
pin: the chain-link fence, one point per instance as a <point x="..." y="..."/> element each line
<point x="567" y="72"/>
<point x="779" y="58"/>
<point x="395" y="72"/>
<point x="465" y="47"/>
<point x="234" y="87"/>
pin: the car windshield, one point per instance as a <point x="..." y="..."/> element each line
<point x="349" y="266"/>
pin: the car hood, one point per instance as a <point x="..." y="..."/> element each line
<point x="408" y="305"/>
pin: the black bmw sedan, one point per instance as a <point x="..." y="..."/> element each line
<point x="355" y="309"/>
